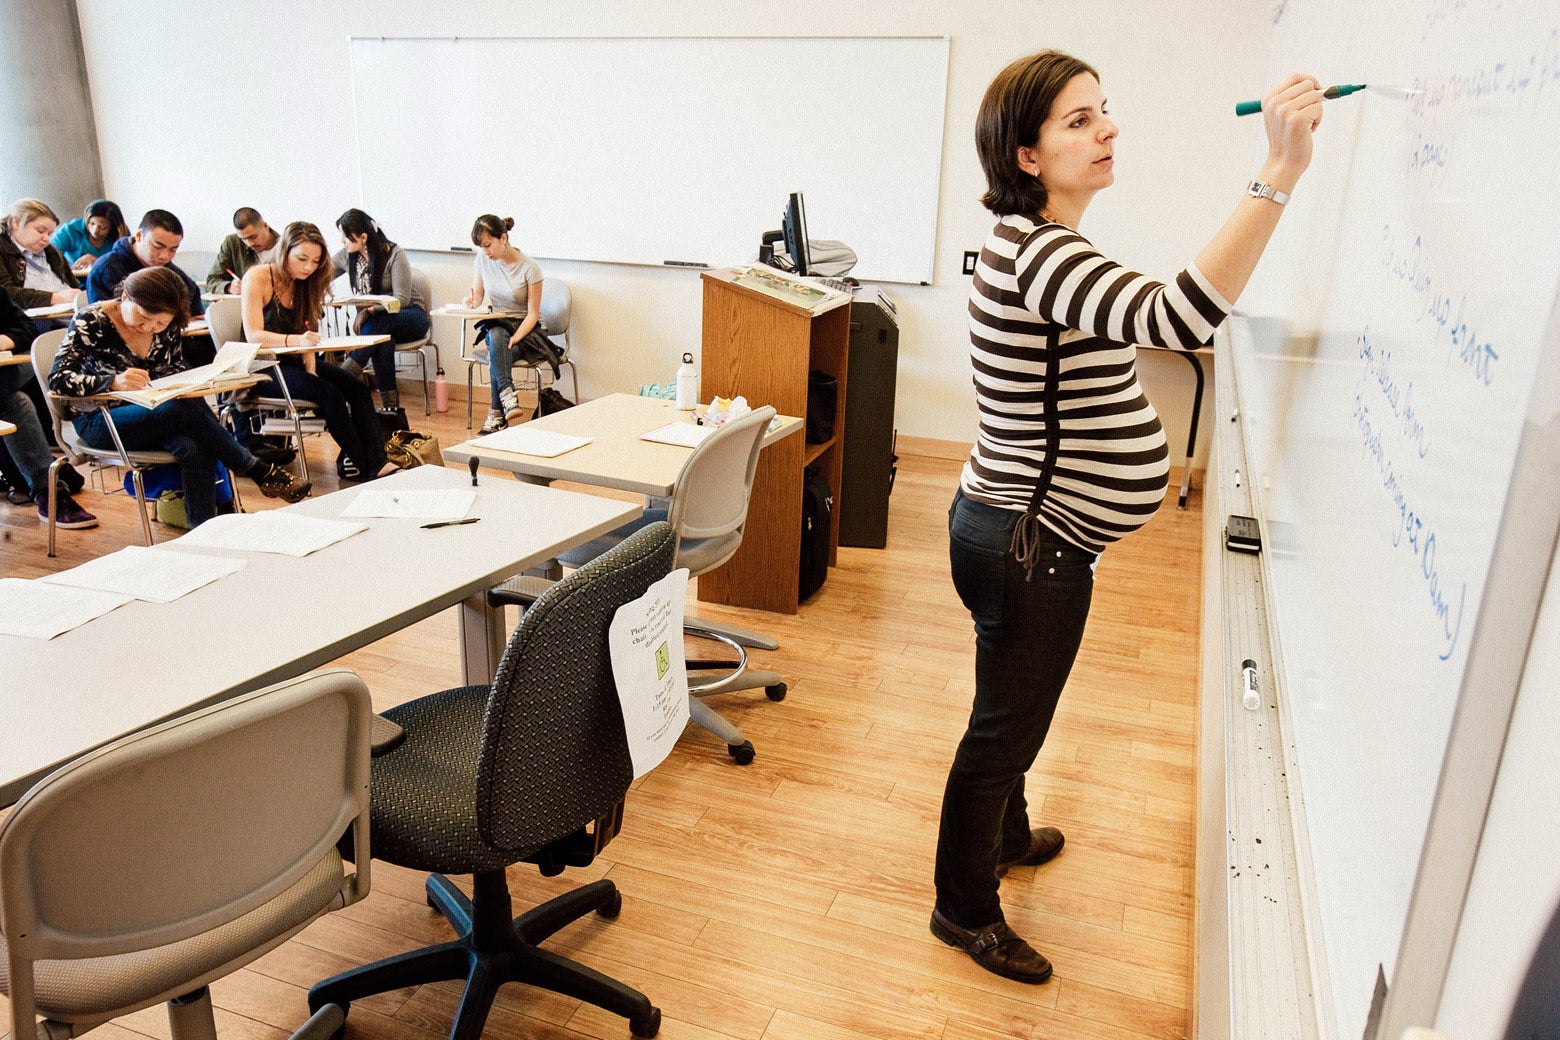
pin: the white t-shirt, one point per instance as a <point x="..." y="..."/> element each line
<point x="506" y="285"/>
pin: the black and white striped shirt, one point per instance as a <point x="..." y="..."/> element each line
<point x="1052" y="328"/>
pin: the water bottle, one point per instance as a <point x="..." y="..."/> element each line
<point x="687" y="384"/>
<point x="441" y="392"/>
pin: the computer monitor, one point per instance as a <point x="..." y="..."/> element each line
<point x="793" y="232"/>
<point x="794" y="227"/>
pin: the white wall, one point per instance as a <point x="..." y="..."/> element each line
<point x="202" y="108"/>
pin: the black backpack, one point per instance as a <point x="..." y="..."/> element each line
<point x="817" y="505"/>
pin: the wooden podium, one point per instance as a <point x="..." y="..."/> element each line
<point x="763" y="348"/>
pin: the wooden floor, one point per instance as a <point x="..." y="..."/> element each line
<point x="788" y="900"/>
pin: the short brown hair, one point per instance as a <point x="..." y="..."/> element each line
<point x="24" y="212"/>
<point x="1015" y="105"/>
<point x="157" y="290"/>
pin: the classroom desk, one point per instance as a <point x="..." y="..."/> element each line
<point x="279" y="617"/>
<point x="617" y="458"/>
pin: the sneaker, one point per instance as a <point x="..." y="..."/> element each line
<point x="18" y="497"/>
<point x="276" y="482"/>
<point x="495" y="421"/>
<point x="1044" y="844"/>
<point x="995" y="948"/>
<point x="511" y="404"/>
<point x="67" y="513"/>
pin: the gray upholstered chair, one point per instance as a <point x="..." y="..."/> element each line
<point x="533" y="768"/>
<point x="708" y="510"/>
<point x="147" y="869"/>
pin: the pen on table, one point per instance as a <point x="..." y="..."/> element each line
<point x="1251" y="108"/>
<point x="451" y="523"/>
<point x="1248" y="681"/>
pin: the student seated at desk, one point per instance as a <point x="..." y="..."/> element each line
<point x="510" y="281"/>
<point x="125" y="343"/>
<point x="376" y="266"/>
<point x="27" y="446"/>
<point x="32" y="270"/>
<point x="89" y="236"/>
<point x="283" y="303"/>
<point x="252" y="237"/>
<point x="154" y="244"/>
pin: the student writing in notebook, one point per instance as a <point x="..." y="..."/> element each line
<point x="510" y="281"/>
<point x="283" y="303"/>
<point x="376" y="266"/>
<point x="89" y="236"/>
<point x="31" y="269"/>
<point x="123" y="344"/>
<point x="252" y="237"/>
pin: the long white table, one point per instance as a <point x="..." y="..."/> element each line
<point x="281" y="616"/>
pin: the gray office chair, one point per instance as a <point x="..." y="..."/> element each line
<point x="708" y="510"/>
<point x="151" y="867"/>
<point x="533" y="769"/>
<point x="556" y="316"/>
<point x="44" y="348"/>
<point x="280" y="415"/>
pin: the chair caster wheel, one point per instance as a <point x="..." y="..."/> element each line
<point x="775" y="692"/>
<point x="742" y="753"/>
<point x="612" y="907"/>
<point x="647" y="1026"/>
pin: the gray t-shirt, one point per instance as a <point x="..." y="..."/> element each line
<point x="506" y="285"/>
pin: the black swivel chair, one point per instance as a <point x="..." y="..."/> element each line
<point x="531" y="769"/>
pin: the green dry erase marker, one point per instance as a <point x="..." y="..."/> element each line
<point x="1251" y="108"/>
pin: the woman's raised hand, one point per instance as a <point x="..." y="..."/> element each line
<point x="1291" y="112"/>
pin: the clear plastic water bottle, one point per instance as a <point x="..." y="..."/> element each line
<point x="441" y="392"/>
<point x="687" y="384"/>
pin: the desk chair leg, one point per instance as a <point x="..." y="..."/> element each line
<point x="140" y="500"/>
<point x="54" y="499"/>
<point x="190" y="1017"/>
<point x="738" y="747"/>
<point x="469" y="391"/>
<point x="750" y="639"/>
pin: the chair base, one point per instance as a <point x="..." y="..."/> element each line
<point x="492" y="950"/>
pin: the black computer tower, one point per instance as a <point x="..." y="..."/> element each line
<point x="868" y="465"/>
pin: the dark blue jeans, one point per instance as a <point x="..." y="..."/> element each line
<point x="185" y="428"/>
<point x="1027" y="632"/>
<point x="345" y="404"/>
<point x="404" y="326"/>
<point x="28" y="447"/>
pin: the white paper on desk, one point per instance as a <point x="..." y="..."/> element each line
<point x="449" y="504"/>
<point x="42" y="610"/>
<point x="527" y="441"/>
<point x="347" y="342"/>
<point x="682" y="434"/>
<point x="269" y="531"/>
<point x="651" y="673"/>
<point x="53" y="310"/>
<point x="154" y="575"/>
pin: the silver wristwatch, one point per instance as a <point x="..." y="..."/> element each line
<point x="1264" y="190"/>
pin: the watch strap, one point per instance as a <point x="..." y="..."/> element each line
<point x="1263" y="190"/>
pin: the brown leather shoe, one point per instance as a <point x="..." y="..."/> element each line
<point x="994" y="948"/>
<point x="1044" y="844"/>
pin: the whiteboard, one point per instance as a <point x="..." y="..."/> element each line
<point x="1383" y="386"/>
<point x="651" y="150"/>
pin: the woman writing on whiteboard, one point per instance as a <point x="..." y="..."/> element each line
<point x="284" y="298"/>
<point x="1070" y="455"/>
<point x="511" y="282"/>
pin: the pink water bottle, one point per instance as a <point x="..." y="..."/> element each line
<point x="441" y="392"/>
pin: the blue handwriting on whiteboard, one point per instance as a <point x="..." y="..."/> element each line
<point x="1441" y="308"/>
<point x="1399" y="397"/>
<point x="1522" y="78"/>
<point x="1411" y="531"/>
